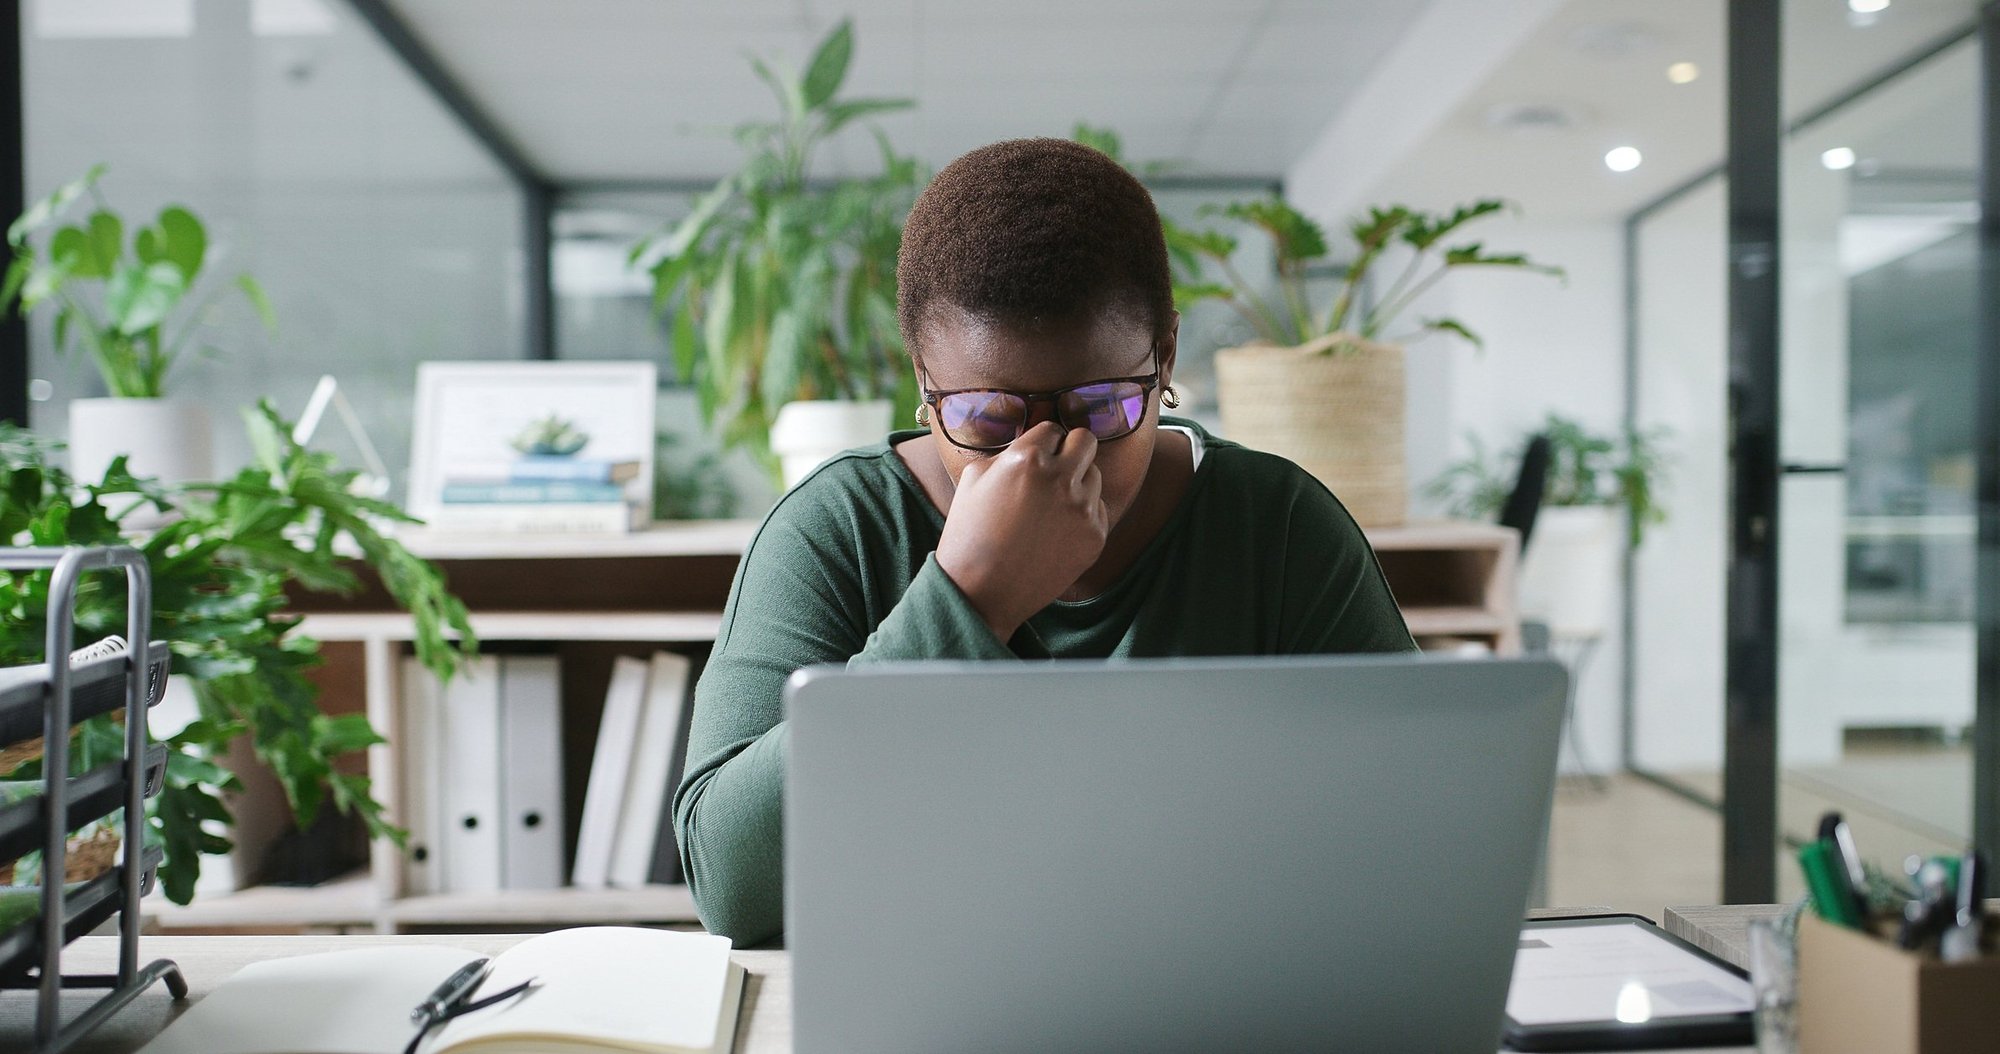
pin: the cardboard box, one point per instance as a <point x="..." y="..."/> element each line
<point x="1860" y="994"/>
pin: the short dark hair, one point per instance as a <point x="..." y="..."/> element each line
<point x="1033" y="232"/>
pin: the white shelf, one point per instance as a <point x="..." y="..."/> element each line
<point x="347" y="902"/>
<point x="674" y="538"/>
<point x="351" y="903"/>
<point x="661" y="626"/>
<point x="551" y="907"/>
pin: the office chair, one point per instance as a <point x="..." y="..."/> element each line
<point x="1525" y="502"/>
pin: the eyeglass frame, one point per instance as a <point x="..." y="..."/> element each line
<point x="1148" y="382"/>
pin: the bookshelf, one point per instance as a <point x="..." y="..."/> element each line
<point x="592" y="598"/>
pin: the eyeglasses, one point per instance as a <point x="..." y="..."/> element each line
<point x="989" y="419"/>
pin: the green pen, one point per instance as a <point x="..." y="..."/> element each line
<point x="1826" y="882"/>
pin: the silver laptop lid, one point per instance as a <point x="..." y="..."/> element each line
<point x="1271" y="854"/>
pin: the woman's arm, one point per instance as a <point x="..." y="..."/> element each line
<point x="799" y="599"/>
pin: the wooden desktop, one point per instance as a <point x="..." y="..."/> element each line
<point x="765" y="1026"/>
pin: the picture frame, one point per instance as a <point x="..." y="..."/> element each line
<point x="553" y="447"/>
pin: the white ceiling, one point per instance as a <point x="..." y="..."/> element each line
<point x="643" y="89"/>
<point x="1604" y="62"/>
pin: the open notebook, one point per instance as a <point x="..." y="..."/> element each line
<point x="601" y="990"/>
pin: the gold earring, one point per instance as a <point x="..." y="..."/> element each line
<point x="1170" y="398"/>
<point x="924" y="414"/>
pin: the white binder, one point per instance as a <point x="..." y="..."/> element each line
<point x="652" y="760"/>
<point x="531" y="784"/>
<point x="471" y="779"/>
<point x="422" y="754"/>
<point x="610" y="765"/>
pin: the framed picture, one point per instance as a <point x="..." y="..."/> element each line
<point x="533" y="446"/>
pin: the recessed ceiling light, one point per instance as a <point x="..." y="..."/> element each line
<point x="1623" y="158"/>
<point x="1683" y="72"/>
<point x="1838" y="158"/>
<point x="1867" y="7"/>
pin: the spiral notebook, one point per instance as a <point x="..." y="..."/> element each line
<point x="610" y="989"/>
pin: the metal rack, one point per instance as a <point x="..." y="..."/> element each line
<point x="67" y="692"/>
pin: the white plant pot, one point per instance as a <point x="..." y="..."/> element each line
<point x="166" y="439"/>
<point x="806" y="433"/>
<point x="1569" y="575"/>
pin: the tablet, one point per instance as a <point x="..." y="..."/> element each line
<point x="1614" y="982"/>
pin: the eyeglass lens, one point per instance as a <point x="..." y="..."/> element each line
<point x="990" y="420"/>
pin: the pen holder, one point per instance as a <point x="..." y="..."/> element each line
<point x="1860" y="993"/>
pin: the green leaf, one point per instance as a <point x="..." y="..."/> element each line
<point x="1213" y="244"/>
<point x="1454" y="327"/>
<point x="788" y="345"/>
<point x="648" y="254"/>
<point x="177" y="238"/>
<point x="344" y="733"/>
<point x="17" y="275"/>
<point x="107" y="243"/>
<point x="687" y="345"/>
<point x="829" y="65"/>
<point x="1293" y="235"/>
<point x="72" y="248"/>
<point x="1103" y="140"/>
<point x="1187" y="294"/>
<point x="791" y="96"/>
<point x="42" y="212"/>
<point x="267" y="441"/>
<point x="139" y="298"/>
<point x="259" y="302"/>
<point x="838" y="115"/>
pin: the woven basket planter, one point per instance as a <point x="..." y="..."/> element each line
<point x="88" y="857"/>
<point x="1333" y="406"/>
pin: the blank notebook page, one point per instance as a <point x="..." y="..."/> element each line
<point x="613" y="988"/>
<point x="352" y="1002"/>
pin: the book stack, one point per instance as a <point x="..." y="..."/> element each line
<point x="483" y="797"/>
<point x="543" y="493"/>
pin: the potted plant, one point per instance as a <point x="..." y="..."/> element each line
<point x="782" y="289"/>
<point x="221" y="567"/>
<point x="128" y="303"/>
<point x="1570" y="567"/>
<point x="1323" y="383"/>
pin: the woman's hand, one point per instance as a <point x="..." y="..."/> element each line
<point x="1025" y="524"/>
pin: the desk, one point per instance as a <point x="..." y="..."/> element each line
<point x="765" y="1027"/>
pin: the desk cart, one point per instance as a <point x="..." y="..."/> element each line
<point x="47" y="700"/>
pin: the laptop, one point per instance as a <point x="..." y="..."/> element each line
<point x="1323" y="853"/>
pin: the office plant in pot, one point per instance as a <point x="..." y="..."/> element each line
<point x="136" y="305"/>
<point x="224" y="568"/>
<point x="781" y="288"/>
<point x="1323" y="382"/>
<point x="1569" y="569"/>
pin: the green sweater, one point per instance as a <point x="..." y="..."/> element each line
<point x="1259" y="559"/>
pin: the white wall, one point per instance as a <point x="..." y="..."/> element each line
<point x="1551" y="346"/>
<point x="1679" y="595"/>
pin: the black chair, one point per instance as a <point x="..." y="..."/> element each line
<point x="1526" y="500"/>
<point x="1519" y="512"/>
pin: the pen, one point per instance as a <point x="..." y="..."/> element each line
<point x="1850" y="862"/>
<point x="455" y="988"/>
<point x="1828" y="885"/>
<point x="1961" y="939"/>
<point x="1927" y="916"/>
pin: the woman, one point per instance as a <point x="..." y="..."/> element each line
<point x="1047" y="511"/>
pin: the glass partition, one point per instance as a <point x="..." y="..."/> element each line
<point x="1878" y="347"/>
<point x="384" y="234"/>
<point x="1878" y="251"/>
